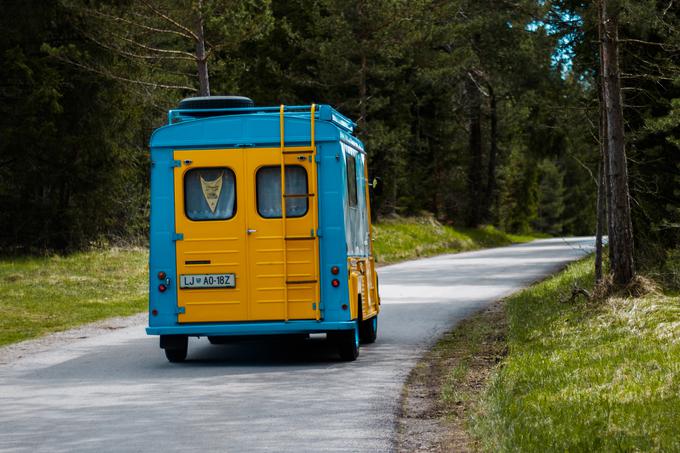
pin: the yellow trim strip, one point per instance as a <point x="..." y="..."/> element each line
<point x="368" y="207"/>
<point x="282" y="147"/>
<point x="312" y="126"/>
<point x="283" y="209"/>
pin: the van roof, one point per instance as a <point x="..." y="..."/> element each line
<point x="322" y="112"/>
<point x="251" y="126"/>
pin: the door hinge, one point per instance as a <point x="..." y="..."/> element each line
<point x="175" y="163"/>
<point x="317" y="158"/>
<point x="318" y="233"/>
<point x="180" y="310"/>
<point x="177" y="237"/>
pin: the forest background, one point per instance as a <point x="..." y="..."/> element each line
<point x="478" y="111"/>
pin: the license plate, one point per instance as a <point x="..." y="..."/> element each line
<point x="207" y="281"/>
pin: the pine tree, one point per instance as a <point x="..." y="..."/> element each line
<point x="549" y="216"/>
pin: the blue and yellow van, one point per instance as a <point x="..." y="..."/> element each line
<point x="226" y="260"/>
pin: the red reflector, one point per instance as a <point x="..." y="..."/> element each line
<point x="335" y="282"/>
<point x="161" y="275"/>
<point x="162" y="288"/>
<point x="154" y="312"/>
<point x="335" y="270"/>
<point x="344" y="306"/>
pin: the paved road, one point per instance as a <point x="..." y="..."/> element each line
<point x="116" y="392"/>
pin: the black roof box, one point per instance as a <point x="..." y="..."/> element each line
<point x="214" y="102"/>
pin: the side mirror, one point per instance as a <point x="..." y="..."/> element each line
<point x="374" y="185"/>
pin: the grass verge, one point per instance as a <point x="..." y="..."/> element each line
<point x="589" y="376"/>
<point x="407" y="238"/>
<point x="42" y="295"/>
<point x="443" y="389"/>
<point x="578" y="376"/>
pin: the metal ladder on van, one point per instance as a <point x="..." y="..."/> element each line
<point x="312" y="198"/>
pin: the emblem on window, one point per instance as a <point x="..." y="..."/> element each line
<point x="212" y="191"/>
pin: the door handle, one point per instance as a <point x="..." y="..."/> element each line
<point x="250" y="231"/>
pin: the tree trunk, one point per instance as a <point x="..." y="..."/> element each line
<point x="474" y="100"/>
<point x="493" y="153"/>
<point x="603" y="193"/>
<point x="201" y="57"/>
<point x="621" y="232"/>
<point x="364" y="40"/>
<point x="363" y="92"/>
<point x="601" y="214"/>
<point x="604" y="142"/>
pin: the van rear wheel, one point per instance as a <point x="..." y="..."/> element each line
<point x="368" y="330"/>
<point x="175" y="347"/>
<point x="176" y="355"/>
<point x="347" y="342"/>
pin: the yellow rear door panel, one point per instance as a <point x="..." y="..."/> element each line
<point x="212" y="246"/>
<point x="272" y="241"/>
<point x="275" y="261"/>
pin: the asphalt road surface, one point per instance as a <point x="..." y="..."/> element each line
<point x="115" y="391"/>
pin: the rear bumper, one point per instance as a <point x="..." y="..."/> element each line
<point x="251" y="328"/>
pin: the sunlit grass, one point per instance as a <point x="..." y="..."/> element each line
<point x="407" y="238"/>
<point x="585" y="376"/>
<point x="41" y="295"/>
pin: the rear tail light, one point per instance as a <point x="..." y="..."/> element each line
<point x="335" y="270"/>
<point x="162" y="288"/>
<point x="335" y="282"/>
<point x="161" y="275"/>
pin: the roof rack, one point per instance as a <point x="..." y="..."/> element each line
<point x="324" y="112"/>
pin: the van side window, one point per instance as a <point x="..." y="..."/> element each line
<point x="352" y="180"/>
<point x="269" y="191"/>
<point x="209" y="194"/>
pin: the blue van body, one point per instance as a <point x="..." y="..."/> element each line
<point x="259" y="127"/>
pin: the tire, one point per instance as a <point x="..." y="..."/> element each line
<point x="175" y="347"/>
<point x="368" y="330"/>
<point x="176" y="355"/>
<point x="347" y="342"/>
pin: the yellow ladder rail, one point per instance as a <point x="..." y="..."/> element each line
<point x="315" y="211"/>
<point x="314" y="205"/>
<point x="283" y="211"/>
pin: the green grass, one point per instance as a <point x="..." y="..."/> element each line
<point x="585" y="376"/>
<point x="445" y="386"/>
<point x="407" y="238"/>
<point x="42" y="295"/>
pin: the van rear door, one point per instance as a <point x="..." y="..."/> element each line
<point x="238" y="259"/>
<point x="212" y="254"/>
<point x="283" y="254"/>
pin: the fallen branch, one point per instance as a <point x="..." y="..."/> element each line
<point x="575" y="292"/>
